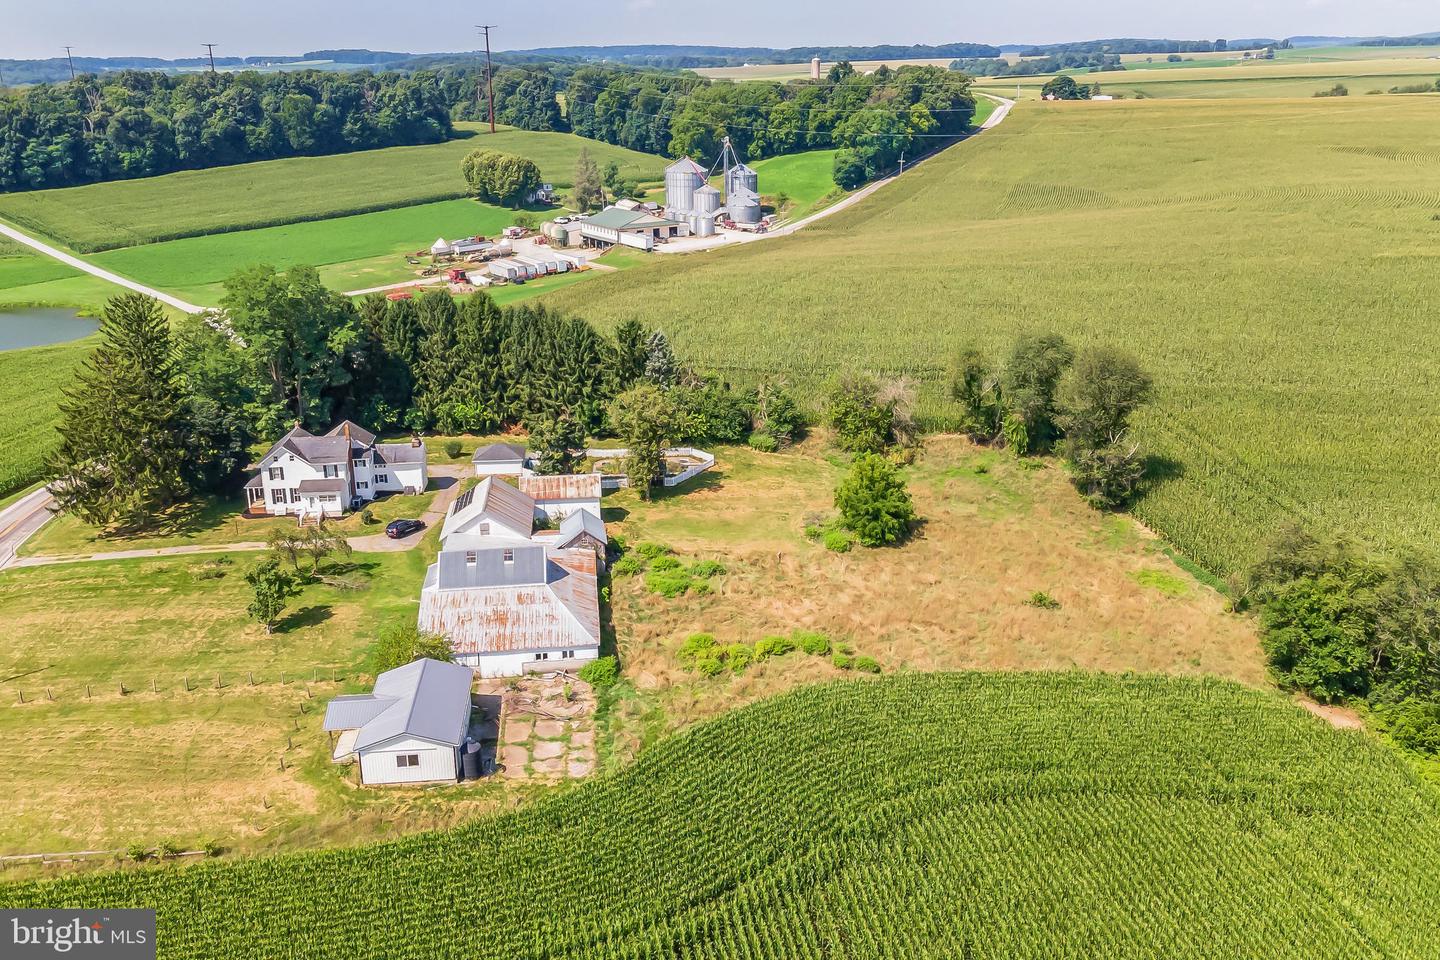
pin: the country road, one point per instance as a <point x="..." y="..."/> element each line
<point x="95" y="271"/>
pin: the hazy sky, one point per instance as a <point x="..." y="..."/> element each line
<point x="174" y="28"/>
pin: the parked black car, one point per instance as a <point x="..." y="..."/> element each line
<point x="403" y="528"/>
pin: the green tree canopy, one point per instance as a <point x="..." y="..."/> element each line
<point x="873" y="501"/>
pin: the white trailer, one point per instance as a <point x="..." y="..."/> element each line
<point x="541" y="267"/>
<point x="640" y="241"/>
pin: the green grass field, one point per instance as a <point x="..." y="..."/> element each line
<point x="357" y="251"/>
<point x="1272" y="263"/>
<point x="952" y="815"/>
<point x="807" y="178"/>
<point x="273" y="192"/>
<point x="30" y="385"/>
<point x="1278" y="78"/>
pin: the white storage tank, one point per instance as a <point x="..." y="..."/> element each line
<point x="704" y="226"/>
<point x="682" y="179"/>
<point x="707" y="201"/>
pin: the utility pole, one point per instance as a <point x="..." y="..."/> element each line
<point x="72" y="62"/>
<point x="211" y="48"/>
<point x="489" y="72"/>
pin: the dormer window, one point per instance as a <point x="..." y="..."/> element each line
<point x="509" y="555"/>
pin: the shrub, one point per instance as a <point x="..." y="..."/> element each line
<point x="170" y="849"/>
<point x="213" y="848"/>
<point x="774" y="646"/>
<point x="707" y="569"/>
<point x="695" y="645"/>
<point x="1042" y="601"/>
<point x="453" y="448"/>
<point x="843" y="660"/>
<point x="138" y="852"/>
<point x="763" y="442"/>
<point x="402" y="643"/>
<point x="1414" y="724"/>
<point x="816" y="524"/>
<point x="838" y="541"/>
<point x="367" y="517"/>
<point x="668" y="583"/>
<point x="601" y="672"/>
<point x="738" y="656"/>
<point x="867" y="665"/>
<point x="874" y="503"/>
<point x="650" y="550"/>
<point x="709" y="666"/>
<point x="701" y="588"/>
<point x="1339" y="90"/>
<point x="814" y="643"/>
<point x="627" y="566"/>
<point x="662" y="564"/>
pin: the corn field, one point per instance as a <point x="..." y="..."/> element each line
<point x="960" y="815"/>
<point x="1273" y="265"/>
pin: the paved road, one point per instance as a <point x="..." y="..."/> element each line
<point x="20" y="520"/>
<point x="731" y="237"/>
<point x="93" y="270"/>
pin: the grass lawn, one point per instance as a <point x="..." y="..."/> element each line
<point x="190" y="765"/>
<point x="1153" y="227"/>
<point x="209" y="523"/>
<point x="271" y="192"/>
<point x="807" y="178"/>
<point x="993" y="532"/>
<point x="356" y="252"/>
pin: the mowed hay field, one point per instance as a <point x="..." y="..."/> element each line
<point x="985" y="816"/>
<point x="1276" y="265"/>
<point x="1254" y="78"/>
<point x="195" y="203"/>
<point x="31" y="382"/>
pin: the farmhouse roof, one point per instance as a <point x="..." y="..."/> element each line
<point x="494" y="498"/>
<point x="572" y="486"/>
<point x="427" y="698"/>
<point x="540" y="601"/>
<point x="334" y="485"/>
<point x="615" y="218"/>
<point x="499" y="453"/>
<point x="358" y="434"/>
<point x="387" y="453"/>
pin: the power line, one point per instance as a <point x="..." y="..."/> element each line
<point x="211" y="48"/>
<point x="72" y="62"/>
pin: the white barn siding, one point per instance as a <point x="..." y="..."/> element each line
<point x="438" y="761"/>
<point x="491" y="665"/>
<point x="500" y="468"/>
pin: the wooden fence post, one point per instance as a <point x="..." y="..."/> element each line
<point x="22" y="696"/>
<point x="154" y="686"/>
<point x="48" y="695"/>
<point x="87" y="691"/>
<point x="187" y="683"/>
<point x="122" y="688"/>
<point x="251" y="675"/>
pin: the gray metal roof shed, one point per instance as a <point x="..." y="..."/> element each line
<point x="428" y="699"/>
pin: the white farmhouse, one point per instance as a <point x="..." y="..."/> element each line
<point x="510" y="610"/>
<point x="410" y="728"/>
<point x="315" y="477"/>
<point x="559" y="496"/>
<point x="493" y="510"/>
<point x="501" y="460"/>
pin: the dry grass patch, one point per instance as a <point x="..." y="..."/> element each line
<point x="994" y="532"/>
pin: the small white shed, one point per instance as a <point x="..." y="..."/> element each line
<point x="500" y="460"/>
<point x="410" y="728"/>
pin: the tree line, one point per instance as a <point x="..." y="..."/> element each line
<point x="175" y="408"/>
<point x="138" y="123"/>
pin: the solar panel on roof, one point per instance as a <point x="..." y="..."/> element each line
<point x="463" y="501"/>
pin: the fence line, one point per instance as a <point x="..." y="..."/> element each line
<point x="190" y="684"/>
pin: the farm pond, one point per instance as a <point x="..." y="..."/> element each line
<point x="40" y="326"/>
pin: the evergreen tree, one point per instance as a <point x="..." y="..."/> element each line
<point x="632" y="350"/>
<point x="873" y="501"/>
<point x="123" y="431"/>
<point x="660" y="366"/>
<point x="441" y="365"/>
<point x="480" y="339"/>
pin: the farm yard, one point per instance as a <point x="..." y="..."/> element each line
<point x="1291" y="388"/>
<point x="177" y="623"/>
<point x="984" y="815"/>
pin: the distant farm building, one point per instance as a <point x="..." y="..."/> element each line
<point x="501" y="460"/>
<point x="410" y="728"/>
<point x="317" y="477"/>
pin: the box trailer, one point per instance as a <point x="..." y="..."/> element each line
<point x="640" y="241"/>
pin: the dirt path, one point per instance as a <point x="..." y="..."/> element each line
<point x="90" y="268"/>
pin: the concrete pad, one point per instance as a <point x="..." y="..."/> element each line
<point x="548" y="749"/>
<point x="552" y="768"/>
<point x="517" y="731"/>
<point x="549" y="729"/>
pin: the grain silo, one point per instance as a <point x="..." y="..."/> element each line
<point x="742" y="194"/>
<point x="682" y="179"/>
